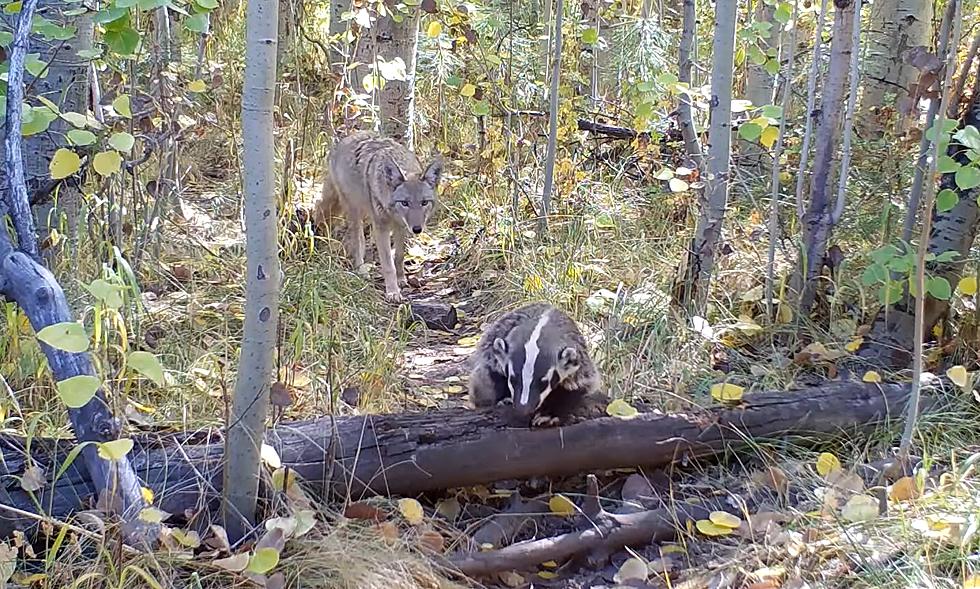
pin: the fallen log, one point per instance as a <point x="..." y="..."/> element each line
<point x="408" y="453"/>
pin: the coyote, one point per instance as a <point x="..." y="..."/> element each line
<point x="370" y="175"/>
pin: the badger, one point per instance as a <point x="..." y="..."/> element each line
<point x="535" y="359"/>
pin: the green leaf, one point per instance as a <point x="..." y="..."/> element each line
<point x="481" y="108"/>
<point x="644" y="110"/>
<point x="946" y="200"/>
<point x="454" y="81"/>
<point x="51" y="31"/>
<point x="68" y="336"/>
<point x="12" y="8"/>
<point x="749" y="131"/>
<point x="784" y="12"/>
<point x="76" y="119"/>
<point x="6" y="38"/>
<point x="123" y="42"/>
<point x="115" y="449"/>
<point x="771" y="67"/>
<point x="884" y="253"/>
<point x="756" y="56"/>
<point x="890" y="293"/>
<point x="939" y="288"/>
<point x="967" y="177"/>
<point x="148" y="365"/>
<point x="89" y="53"/>
<point x="81" y="137"/>
<point x="113" y="14"/>
<point x="197" y="23"/>
<point x="772" y="112"/>
<point x="108" y="294"/>
<point x="35" y="65"/>
<point x="122" y="107"/>
<point x="947" y="256"/>
<point x="590" y="36"/>
<point x="947" y="165"/>
<point x="78" y="390"/>
<point x="874" y="274"/>
<point x="263" y="560"/>
<point x="948" y="126"/>
<point x="122" y="141"/>
<point x="38" y="121"/>
<point x="968" y="136"/>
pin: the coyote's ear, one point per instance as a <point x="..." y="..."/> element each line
<point x="433" y="173"/>
<point x="392" y="174"/>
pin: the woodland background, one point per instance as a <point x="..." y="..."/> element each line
<point x="731" y="198"/>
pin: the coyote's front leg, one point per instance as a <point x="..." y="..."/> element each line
<point x="382" y="238"/>
<point x="398" y="235"/>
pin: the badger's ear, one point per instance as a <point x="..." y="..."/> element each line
<point x="500" y="346"/>
<point x="568" y="362"/>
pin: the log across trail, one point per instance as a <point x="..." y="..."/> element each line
<point x="408" y="453"/>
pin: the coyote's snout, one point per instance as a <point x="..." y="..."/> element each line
<point x="376" y="177"/>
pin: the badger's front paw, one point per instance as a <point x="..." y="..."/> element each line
<point x="542" y="421"/>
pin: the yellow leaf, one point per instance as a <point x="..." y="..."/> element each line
<point x="561" y="505"/>
<point x="152" y="515"/>
<point x="107" y="163"/>
<point x="282" y="482"/>
<point x="467" y="90"/>
<point x="189" y="539"/>
<point x="547" y="575"/>
<point x="871" y="376"/>
<point x="147" y="494"/>
<point x="967" y="285"/>
<point x="959" y="376"/>
<point x="116" y="449"/>
<point x="197" y="86"/>
<point x="971" y="582"/>
<point x="854" y="345"/>
<point x="550" y="564"/>
<point x="709" y="528"/>
<point x="622" y="409"/>
<point x="769" y="136"/>
<point x="469" y="341"/>
<point x="726" y="392"/>
<point x="434" y="30"/>
<point x="827" y="463"/>
<point x="412" y="510"/>
<point x="860" y="508"/>
<point x="64" y="163"/>
<point x="724" y="519"/>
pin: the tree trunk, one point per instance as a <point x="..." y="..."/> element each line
<point x="685" y="115"/>
<point x="708" y="234"/>
<point x="759" y="85"/>
<point x="67" y="84"/>
<point x="549" y="164"/>
<point x="891" y="339"/>
<point x="411" y="453"/>
<point x="818" y="221"/>
<point x="256" y="366"/>
<point x="387" y="40"/>
<point x="588" y="64"/>
<point x="896" y="26"/>
<point x="26" y="282"/>
<point x="338" y="29"/>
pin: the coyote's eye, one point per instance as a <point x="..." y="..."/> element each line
<point x="403" y="203"/>
<point x="426" y="203"/>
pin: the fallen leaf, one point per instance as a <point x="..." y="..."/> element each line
<point x="904" y="489"/>
<point x="724" y="519"/>
<point x="32" y="479"/>
<point x="622" y="409"/>
<point x="726" y="392"/>
<point x="860" y="508"/>
<point x="827" y="463"/>
<point x="235" y="563"/>
<point x="432" y="540"/>
<point x="633" y="569"/>
<point x="959" y="376"/>
<point x="412" y="510"/>
<point x="871" y="376"/>
<point x="561" y="505"/>
<point x="709" y="528"/>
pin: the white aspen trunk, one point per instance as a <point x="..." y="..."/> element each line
<point x="818" y="220"/>
<point x="685" y="114"/>
<point x="708" y="234"/>
<point x="256" y="367"/>
<point x="896" y="25"/>
<point x="549" y="166"/>
<point x="759" y="86"/>
<point x="387" y="40"/>
<point x="588" y="64"/>
<point x="811" y="111"/>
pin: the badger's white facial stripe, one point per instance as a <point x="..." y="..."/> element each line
<point x="531" y="351"/>
<point x="547" y="386"/>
